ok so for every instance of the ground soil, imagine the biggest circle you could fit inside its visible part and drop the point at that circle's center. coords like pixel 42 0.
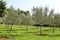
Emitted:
pixel 4 37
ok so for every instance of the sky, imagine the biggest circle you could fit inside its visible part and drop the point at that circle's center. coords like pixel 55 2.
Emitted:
pixel 29 4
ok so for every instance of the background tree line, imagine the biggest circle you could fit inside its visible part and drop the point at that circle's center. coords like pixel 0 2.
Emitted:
pixel 39 15
pixel 44 16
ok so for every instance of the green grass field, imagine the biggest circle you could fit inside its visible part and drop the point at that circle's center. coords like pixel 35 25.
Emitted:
pixel 20 33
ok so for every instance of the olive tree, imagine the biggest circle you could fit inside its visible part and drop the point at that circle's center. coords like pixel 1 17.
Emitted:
pixel 57 20
pixel 12 18
pixel 51 18
pixel 37 15
pixel 26 19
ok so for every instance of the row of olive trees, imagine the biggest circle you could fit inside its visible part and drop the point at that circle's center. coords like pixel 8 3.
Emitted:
pixel 39 16
pixel 17 17
pixel 44 16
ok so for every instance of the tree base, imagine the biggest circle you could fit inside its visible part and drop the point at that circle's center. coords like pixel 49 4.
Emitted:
pixel 42 34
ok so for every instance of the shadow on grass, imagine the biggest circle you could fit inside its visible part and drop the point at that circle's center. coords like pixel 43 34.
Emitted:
pixel 30 32
pixel 55 35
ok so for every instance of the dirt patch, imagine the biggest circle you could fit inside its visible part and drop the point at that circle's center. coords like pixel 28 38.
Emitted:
pixel 42 34
pixel 4 37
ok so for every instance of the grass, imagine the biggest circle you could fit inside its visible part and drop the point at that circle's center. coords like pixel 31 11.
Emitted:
pixel 20 33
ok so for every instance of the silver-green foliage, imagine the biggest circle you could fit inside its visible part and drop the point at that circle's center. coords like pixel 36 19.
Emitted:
pixel 12 17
